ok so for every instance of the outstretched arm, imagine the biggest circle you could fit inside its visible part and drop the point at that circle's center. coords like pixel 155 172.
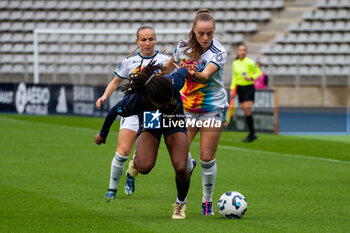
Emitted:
pixel 112 114
pixel 112 86
pixel 203 76
pixel 169 66
pixel 128 106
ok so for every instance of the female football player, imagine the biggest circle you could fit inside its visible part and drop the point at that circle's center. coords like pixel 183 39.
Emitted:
pixel 204 97
pixel 244 72
pixel 146 40
pixel 149 91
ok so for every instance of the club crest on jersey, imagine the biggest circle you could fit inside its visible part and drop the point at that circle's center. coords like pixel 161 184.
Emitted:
pixel 219 57
pixel 202 65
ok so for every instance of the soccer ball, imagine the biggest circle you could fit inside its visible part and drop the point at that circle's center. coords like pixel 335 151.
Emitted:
pixel 232 205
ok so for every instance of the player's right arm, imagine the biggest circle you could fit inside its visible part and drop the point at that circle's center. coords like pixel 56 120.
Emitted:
pixel 128 106
pixel 112 86
pixel 121 73
pixel 175 59
pixel 169 66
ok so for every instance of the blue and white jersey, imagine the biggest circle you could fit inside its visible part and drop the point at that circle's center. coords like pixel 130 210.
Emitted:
pixel 210 95
pixel 136 61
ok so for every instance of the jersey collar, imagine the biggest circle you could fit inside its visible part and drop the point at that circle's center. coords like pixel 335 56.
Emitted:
pixel 155 54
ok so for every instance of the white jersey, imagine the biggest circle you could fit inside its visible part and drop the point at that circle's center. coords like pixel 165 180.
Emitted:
pixel 210 95
pixel 130 65
pixel 136 61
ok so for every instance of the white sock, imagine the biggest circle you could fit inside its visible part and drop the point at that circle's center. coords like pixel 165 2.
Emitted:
pixel 117 169
pixel 208 179
pixel 181 202
pixel 189 162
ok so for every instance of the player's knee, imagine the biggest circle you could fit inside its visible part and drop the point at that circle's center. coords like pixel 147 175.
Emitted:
pixel 124 151
pixel 182 174
pixel 145 168
pixel 180 168
pixel 207 156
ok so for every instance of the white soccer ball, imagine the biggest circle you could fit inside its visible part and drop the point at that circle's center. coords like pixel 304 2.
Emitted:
pixel 232 205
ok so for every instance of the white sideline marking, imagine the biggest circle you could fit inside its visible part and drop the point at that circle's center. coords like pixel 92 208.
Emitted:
pixel 281 154
pixel 48 124
pixel 196 143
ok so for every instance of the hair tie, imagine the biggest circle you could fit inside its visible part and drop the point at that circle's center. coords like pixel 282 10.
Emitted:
pixel 149 79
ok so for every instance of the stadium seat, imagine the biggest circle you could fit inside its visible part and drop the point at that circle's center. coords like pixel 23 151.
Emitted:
pixel 333 49
pixel 241 15
pixel 6 48
pixel 3 4
pixel 344 49
pixel 278 4
pixel 18 37
pixel 87 5
pixel 111 5
pixel 51 5
pixel 17 26
pixel 291 38
pixel 337 37
pixel 237 38
pixel 321 49
pixel 344 4
pixel 251 27
pixel 63 5
pixel 334 71
pixel 266 4
pixel 332 4
pixel 264 16
pixel 242 5
pixel 6 58
pixel 316 26
pixel 254 16
pixel 28 48
pixel 40 15
pixel 318 15
pixel 300 49
pixel 195 5
pixel 321 4
pixel 330 15
pixel 6 37
pixel 280 38
pixel 339 26
pixel 29 15
pixel 254 5
pixel 308 15
pixel 288 48
pixel 325 38
pixel 303 38
pixel 5 15
pixel 14 4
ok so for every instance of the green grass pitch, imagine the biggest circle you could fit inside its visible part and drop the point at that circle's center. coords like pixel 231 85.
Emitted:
pixel 53 179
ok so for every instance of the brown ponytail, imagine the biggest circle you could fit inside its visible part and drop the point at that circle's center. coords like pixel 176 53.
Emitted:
pixel 192 44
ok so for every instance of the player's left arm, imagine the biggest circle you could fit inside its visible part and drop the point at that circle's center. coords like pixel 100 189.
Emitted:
pixel 217 63
pixel 177 78
pixel 256 71
pixel 203 76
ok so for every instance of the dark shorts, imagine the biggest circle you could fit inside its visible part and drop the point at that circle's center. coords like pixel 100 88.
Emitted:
pixel 246 93
pixel 157 133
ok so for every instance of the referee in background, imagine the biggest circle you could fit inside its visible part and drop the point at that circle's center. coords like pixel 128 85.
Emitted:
pixel 244 72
